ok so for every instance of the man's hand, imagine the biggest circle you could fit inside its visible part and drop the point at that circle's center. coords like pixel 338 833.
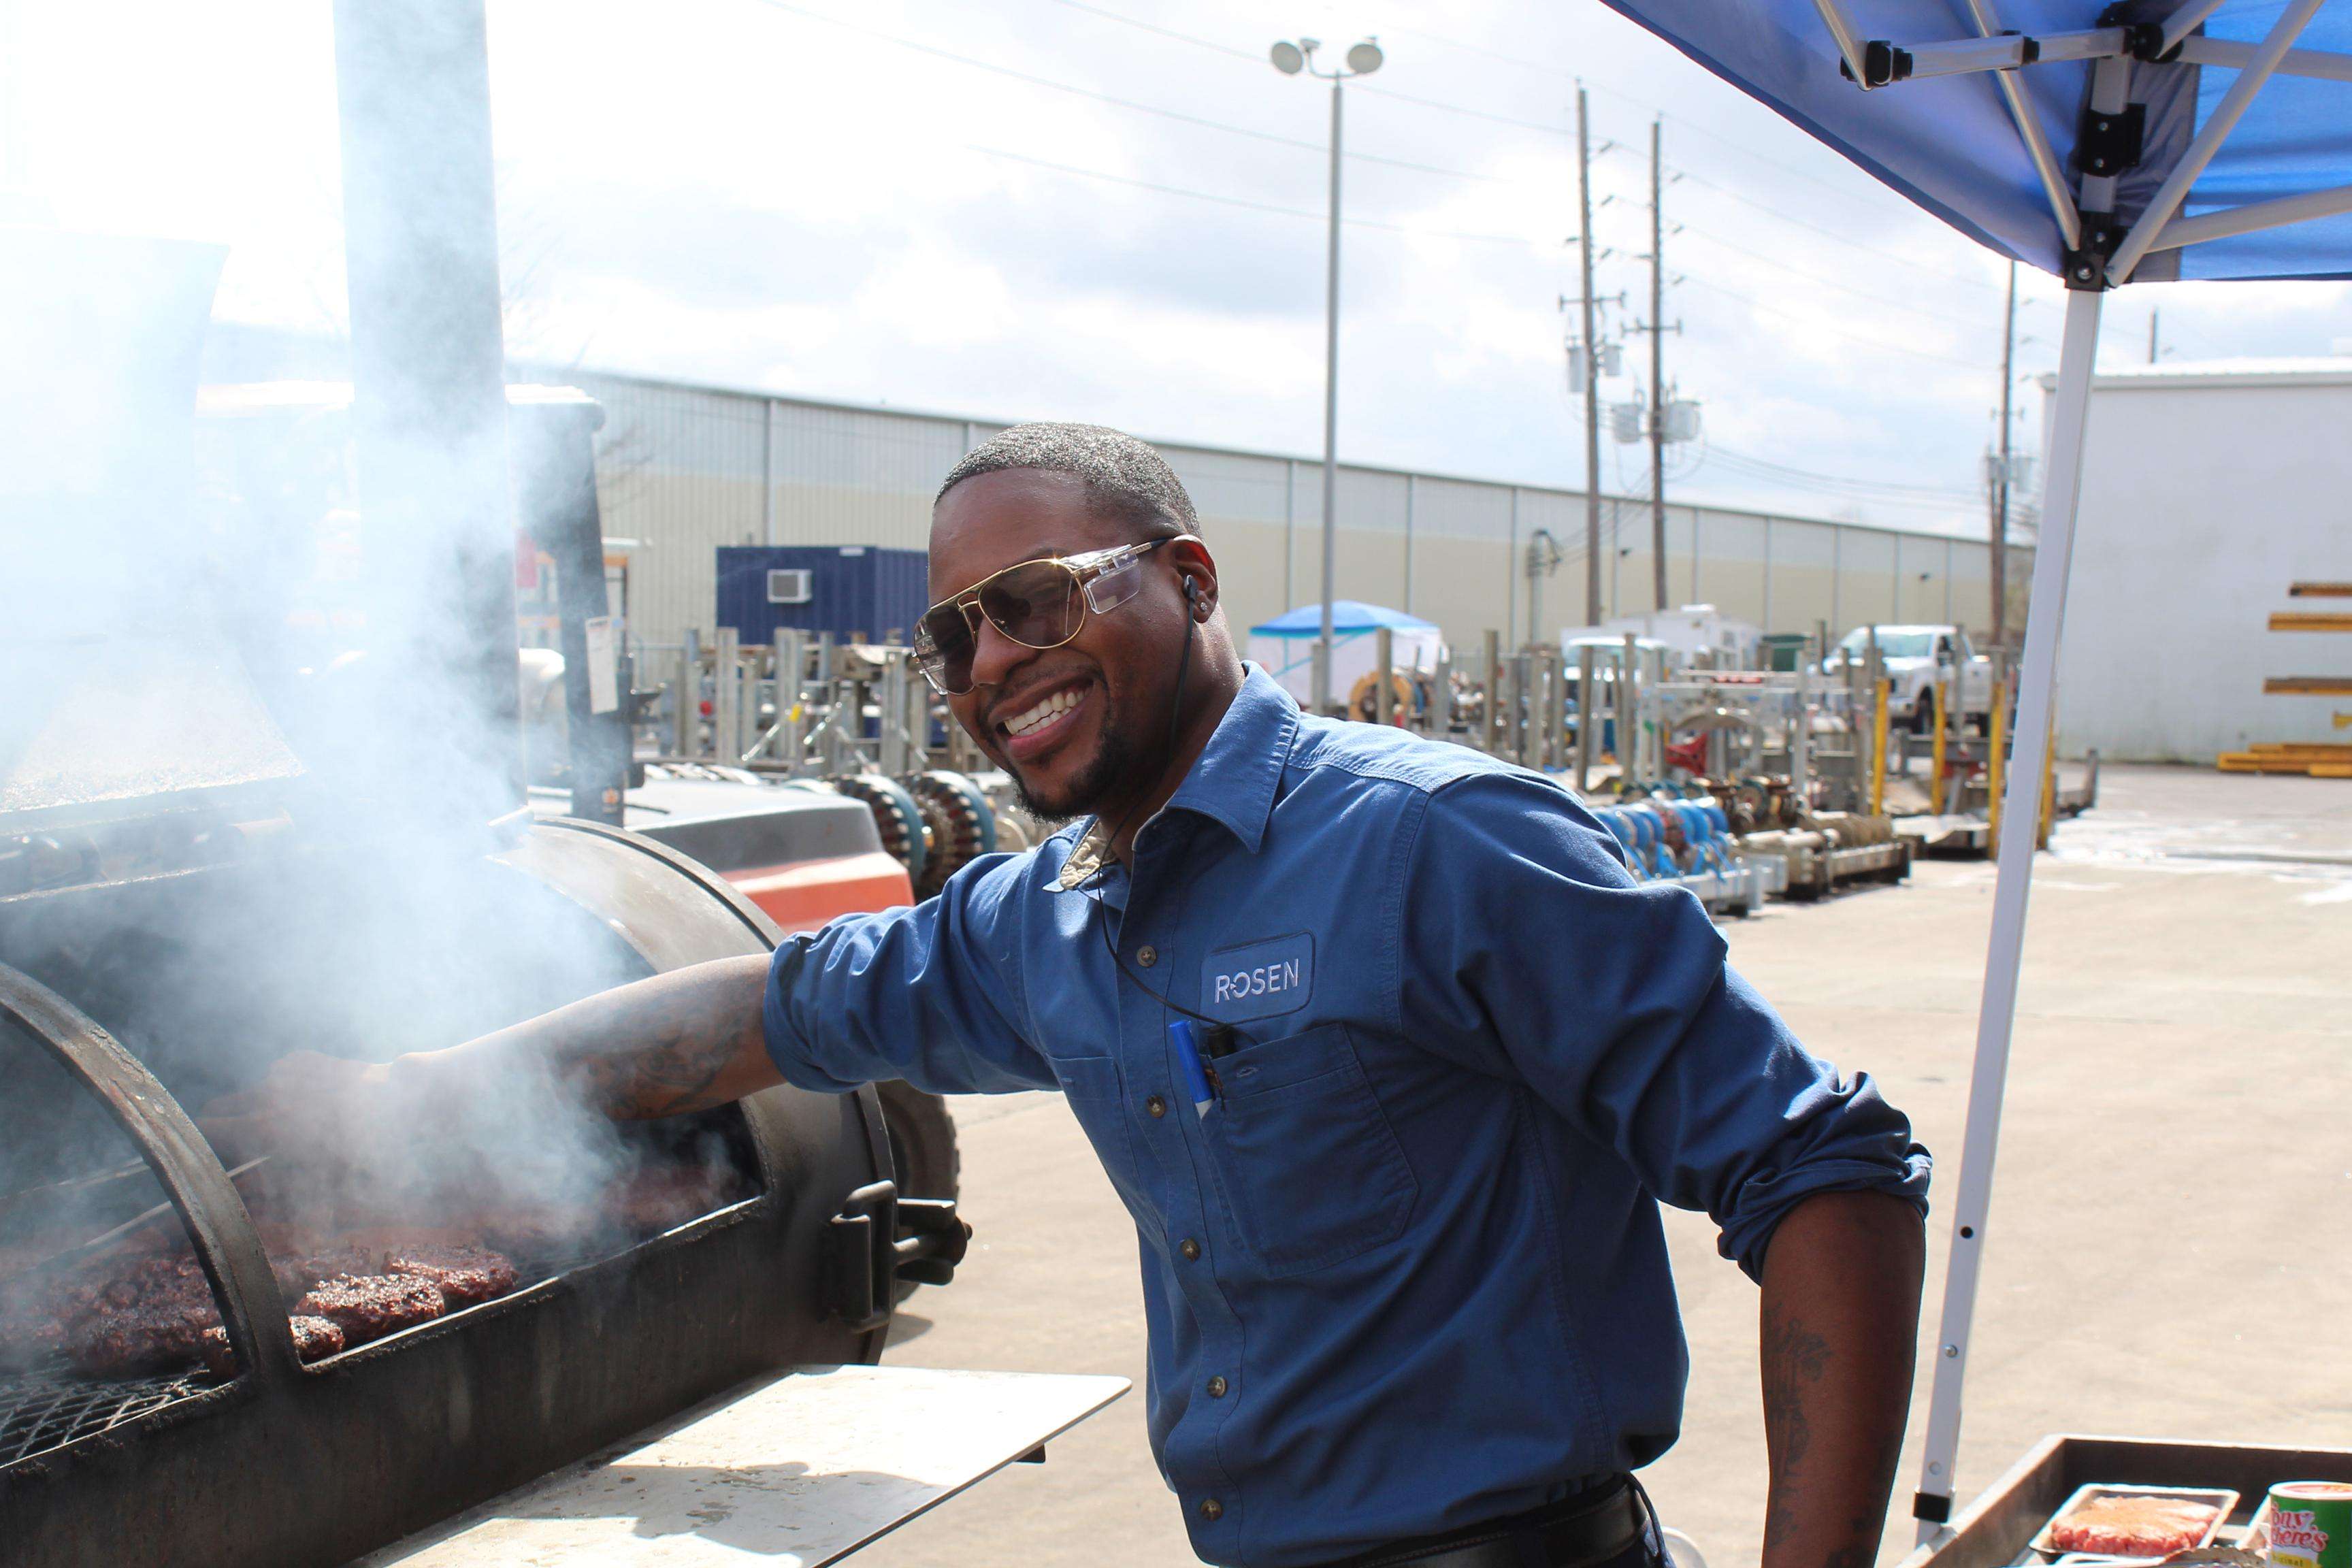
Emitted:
pixel 1839 1320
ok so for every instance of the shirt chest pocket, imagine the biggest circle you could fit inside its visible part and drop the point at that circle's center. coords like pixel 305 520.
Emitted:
pixel 1311 1169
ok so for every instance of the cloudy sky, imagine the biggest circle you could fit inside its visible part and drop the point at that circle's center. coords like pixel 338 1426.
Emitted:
pixel 1112 210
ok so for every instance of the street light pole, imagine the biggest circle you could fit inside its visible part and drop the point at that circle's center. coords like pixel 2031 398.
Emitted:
pixel 1363 59
pixel 1330 418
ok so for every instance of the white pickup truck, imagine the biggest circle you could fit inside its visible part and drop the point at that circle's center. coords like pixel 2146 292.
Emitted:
pixel 1915 658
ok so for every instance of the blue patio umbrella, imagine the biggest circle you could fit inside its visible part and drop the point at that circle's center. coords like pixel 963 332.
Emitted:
pixel 1347 615
pixel 1285 645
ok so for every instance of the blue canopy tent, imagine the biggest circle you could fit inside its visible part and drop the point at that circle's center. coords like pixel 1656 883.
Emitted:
pixel 2106 143
pixel 1285 645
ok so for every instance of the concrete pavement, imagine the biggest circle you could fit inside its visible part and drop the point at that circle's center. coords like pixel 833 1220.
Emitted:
pixel 2171 1239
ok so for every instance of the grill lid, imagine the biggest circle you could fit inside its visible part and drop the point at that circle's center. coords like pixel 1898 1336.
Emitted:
pixel 110 708
pixel 101 727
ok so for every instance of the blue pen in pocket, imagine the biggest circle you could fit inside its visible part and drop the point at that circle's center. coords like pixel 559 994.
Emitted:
pixel 1196 1071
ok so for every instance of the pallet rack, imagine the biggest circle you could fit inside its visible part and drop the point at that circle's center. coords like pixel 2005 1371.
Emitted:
pixel 2314 759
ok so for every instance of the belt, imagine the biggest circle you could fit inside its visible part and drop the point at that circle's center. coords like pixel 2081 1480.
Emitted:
pixel 1580 1533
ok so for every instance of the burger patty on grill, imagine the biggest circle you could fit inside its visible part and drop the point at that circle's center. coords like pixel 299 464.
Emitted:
pixel 368 1307
pixel 164 1330
pixel 315 1339
pixel 465 1274
pixel 298 1270
pixel 153 1314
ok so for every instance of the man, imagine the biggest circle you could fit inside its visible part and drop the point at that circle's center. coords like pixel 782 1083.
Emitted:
pixel 1406 1287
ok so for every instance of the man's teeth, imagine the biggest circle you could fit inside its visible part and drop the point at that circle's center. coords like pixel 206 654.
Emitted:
pixel 1059 703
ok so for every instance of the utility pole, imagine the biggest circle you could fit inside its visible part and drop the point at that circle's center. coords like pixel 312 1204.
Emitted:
pixel 1591 375
pixel 1657 371
pixel 2000 474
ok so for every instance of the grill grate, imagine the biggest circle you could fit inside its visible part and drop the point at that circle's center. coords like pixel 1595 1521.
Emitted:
pixel 47 1407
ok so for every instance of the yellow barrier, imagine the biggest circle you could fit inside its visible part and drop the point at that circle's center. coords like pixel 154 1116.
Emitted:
pixel 2049 790
pixel 1935 767
pixel 1997 764
pixel 1878 756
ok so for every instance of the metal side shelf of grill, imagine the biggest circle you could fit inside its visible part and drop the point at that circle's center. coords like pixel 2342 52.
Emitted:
pixel 1995 1530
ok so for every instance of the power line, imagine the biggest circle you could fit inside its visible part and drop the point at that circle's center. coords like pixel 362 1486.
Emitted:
pixel 1831 233
pixel 1873 199
pixel 1763 467
pixel 1245 202
pixel 1831 489
pixel 1545 128
pixel 1877 344
pixel 1163 32
pixel 1128 103
pixel 1882 301
pixel 1564 74
pixel 1464 110
pixel 1035 81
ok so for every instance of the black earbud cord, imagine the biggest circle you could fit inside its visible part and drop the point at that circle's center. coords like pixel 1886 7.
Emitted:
pixel 1175 727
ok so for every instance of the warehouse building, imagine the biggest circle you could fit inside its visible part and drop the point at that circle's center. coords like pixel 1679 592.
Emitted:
pixel 2210 492
pixel 683 470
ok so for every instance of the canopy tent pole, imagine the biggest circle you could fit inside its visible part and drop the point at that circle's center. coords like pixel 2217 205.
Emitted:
pixel 2019 820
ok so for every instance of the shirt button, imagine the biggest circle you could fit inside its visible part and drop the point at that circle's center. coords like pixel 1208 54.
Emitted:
pixel 1216 1388
pixel 1147 955
pixel 1156 1106
pixel 1190 1249
pixel 1212 1510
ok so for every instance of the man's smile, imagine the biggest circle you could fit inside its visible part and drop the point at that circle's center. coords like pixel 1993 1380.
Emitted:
pixel 1039 724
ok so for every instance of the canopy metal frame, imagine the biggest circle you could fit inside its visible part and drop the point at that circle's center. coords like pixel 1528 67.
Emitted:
pixel 2097 260
pixel 1876 63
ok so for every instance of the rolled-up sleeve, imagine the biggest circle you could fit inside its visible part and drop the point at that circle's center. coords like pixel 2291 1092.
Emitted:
pixel 923 993
pixel 1529 951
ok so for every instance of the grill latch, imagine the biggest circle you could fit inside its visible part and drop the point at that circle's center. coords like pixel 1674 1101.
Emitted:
pixel 880 1238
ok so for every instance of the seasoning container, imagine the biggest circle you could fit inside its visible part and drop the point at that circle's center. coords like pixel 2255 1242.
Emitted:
pixel 2311 1524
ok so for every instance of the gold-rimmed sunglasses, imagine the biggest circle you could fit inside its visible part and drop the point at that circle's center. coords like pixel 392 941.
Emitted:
pixel 1037 603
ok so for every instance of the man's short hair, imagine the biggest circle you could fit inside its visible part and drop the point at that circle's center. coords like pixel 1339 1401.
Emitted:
pixel 1125 479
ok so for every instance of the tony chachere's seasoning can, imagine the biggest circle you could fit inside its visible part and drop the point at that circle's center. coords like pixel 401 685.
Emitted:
pixel 2311 1524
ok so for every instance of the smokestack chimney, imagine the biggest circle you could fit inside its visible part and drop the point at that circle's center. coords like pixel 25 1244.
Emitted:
pixel 428 410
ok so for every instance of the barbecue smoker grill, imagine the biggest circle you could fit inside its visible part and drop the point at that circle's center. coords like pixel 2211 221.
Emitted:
pixel 183 902
pixel 201 943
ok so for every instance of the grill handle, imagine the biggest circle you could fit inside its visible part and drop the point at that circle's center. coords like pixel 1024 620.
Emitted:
pixel 870 1255
pixel 218 1226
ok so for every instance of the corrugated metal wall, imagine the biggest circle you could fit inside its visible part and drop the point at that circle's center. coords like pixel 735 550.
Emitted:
pixel 684 470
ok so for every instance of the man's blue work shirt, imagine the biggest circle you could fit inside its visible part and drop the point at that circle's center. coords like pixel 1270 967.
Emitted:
pixel 1407 1274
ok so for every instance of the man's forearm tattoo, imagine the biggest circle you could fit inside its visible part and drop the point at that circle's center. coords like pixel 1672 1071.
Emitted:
pixel 1794 1359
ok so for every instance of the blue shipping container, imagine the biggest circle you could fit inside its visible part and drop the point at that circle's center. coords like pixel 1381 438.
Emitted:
pixel 859 592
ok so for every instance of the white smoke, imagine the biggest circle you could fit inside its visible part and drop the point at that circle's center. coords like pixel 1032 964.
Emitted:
pixel 228 684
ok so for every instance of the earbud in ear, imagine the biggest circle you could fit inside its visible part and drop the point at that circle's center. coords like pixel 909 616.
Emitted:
pixel 1192 596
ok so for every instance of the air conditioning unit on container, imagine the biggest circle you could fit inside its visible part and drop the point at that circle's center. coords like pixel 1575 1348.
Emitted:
pixel 791 585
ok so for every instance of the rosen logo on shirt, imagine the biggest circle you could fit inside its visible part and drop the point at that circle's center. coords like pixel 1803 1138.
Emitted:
pixel 1259 980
